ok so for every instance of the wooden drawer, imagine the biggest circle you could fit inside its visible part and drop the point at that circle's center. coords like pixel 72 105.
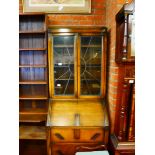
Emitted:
pixel 77 135
pixel 71 148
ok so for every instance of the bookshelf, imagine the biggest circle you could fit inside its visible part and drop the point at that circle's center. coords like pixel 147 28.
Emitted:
pixel 33 67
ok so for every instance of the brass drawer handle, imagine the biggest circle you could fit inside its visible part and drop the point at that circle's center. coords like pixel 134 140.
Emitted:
pixel 95 136
pixel 59 136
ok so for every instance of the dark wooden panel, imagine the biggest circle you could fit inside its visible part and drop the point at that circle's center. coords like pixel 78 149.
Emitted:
pixel 32 147
pixel 124 32
pixel 131 127
pixel 33 91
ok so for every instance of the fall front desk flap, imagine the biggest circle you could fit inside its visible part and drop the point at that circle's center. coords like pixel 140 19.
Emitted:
pixel 91 113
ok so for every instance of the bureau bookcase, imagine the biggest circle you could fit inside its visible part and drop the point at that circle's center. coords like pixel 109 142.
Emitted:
pixel 77 114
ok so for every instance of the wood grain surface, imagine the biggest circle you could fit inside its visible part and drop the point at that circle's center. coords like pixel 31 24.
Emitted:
pixel 92 113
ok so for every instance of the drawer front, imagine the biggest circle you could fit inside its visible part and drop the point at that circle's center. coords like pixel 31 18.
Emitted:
pixel 77 135
pixel 72 148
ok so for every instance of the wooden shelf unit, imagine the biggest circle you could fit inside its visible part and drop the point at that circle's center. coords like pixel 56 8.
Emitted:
pixel 33 67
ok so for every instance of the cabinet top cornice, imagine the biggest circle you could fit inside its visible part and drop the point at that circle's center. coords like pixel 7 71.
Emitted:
pixel 75 29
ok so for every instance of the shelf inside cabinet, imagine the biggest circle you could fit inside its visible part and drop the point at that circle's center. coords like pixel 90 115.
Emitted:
pixel 94 46
pixel 32 132
pixel 63 46
pixel 63 79
pixel 91 65
pixel 63 65
pixel 73 79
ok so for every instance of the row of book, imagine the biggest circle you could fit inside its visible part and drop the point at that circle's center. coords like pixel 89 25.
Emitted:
pixel 28 74
pixel 32 58
pixel 31 41
pixel 29 25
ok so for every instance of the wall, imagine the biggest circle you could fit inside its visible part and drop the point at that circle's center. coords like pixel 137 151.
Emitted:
pixel 103 14
pixel 96 18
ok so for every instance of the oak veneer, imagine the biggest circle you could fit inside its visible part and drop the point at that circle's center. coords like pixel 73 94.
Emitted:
pixel 75 123
pixel 92 112
pixel 79 117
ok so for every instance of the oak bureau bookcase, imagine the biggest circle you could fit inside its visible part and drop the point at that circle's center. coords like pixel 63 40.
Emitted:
pixel 77 114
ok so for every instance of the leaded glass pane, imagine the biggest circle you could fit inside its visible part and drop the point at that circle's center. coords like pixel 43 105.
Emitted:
pixel 63 47
pixel 91 54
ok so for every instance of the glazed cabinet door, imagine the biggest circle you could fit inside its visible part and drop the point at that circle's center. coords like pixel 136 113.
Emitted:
pixel 63 65
pixel 77 65
pixel 91 57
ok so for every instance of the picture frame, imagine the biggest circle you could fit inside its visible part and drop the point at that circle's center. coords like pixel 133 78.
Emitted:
pixel 57 6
